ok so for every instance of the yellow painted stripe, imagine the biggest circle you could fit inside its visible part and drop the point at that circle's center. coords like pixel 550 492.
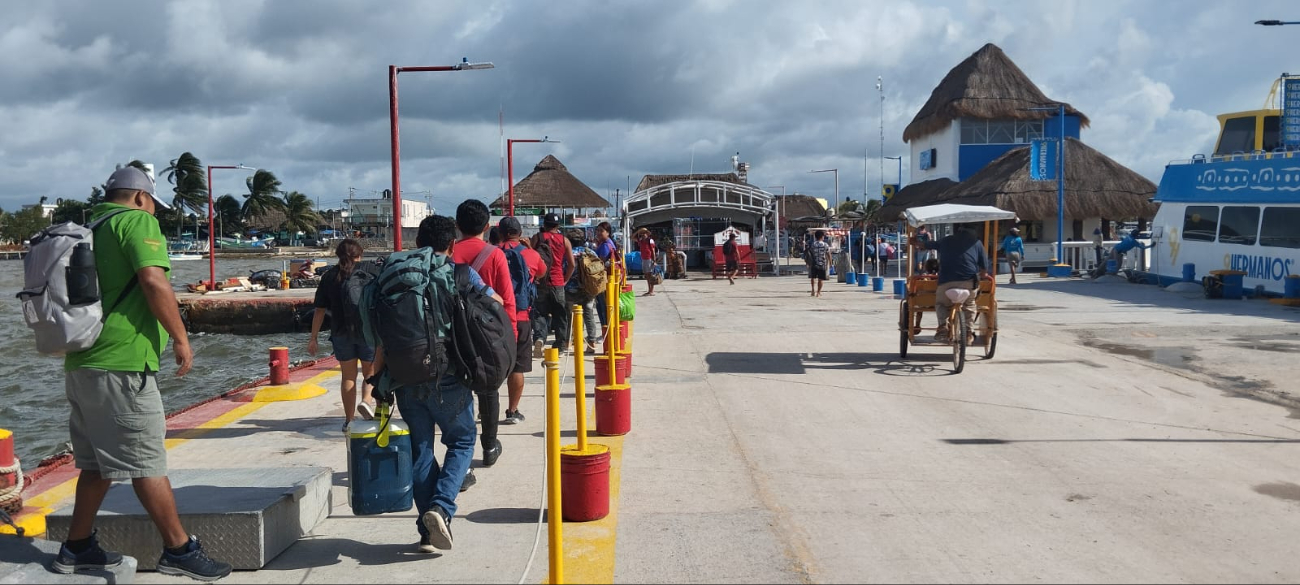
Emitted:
pixel 309 388
pixel 589 546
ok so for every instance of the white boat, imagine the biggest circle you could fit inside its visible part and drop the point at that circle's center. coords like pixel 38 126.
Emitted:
pixel 1238 209
pixel 187 250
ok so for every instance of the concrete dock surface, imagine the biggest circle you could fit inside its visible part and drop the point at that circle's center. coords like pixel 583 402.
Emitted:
pixel 1122 433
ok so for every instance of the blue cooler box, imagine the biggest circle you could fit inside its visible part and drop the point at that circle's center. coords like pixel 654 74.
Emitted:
pixel 379 467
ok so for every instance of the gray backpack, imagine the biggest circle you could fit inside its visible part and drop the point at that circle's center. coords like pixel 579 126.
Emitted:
pixel 60 293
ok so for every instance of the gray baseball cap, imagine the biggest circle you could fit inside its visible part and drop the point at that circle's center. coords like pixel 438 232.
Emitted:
pixel 135 179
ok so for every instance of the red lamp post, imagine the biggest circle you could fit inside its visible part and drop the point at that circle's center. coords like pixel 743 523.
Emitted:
pixel 212 239
pixel 510 168
pixel 393 70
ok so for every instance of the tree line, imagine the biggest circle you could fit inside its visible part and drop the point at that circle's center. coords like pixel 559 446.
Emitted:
pixel 265 205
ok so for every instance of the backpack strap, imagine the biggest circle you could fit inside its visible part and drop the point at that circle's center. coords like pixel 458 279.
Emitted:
pixel 482 258
pixel 135 278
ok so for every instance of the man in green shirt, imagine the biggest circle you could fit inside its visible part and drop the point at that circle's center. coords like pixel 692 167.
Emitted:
pixel 117 423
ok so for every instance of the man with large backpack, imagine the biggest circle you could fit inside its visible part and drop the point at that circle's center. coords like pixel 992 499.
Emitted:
pixel 117 423
pixel 409 318
pixel 818 257
pixel 552 305
pixel 472 218
pixel 525 267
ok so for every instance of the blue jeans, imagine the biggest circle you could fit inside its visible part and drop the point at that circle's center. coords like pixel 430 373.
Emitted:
pixel 446 404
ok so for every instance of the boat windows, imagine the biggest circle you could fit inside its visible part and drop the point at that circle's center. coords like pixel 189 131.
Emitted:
pixel 1239 225
pixel 1272 132
pixel 1238 136
pixel 1281 227
pixel 1200 223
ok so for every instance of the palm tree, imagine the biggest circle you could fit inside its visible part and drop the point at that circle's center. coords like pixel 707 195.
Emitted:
pixel 263 189
pixel 298 214
pixel 96 196
pixel 228 213
pixel 191 189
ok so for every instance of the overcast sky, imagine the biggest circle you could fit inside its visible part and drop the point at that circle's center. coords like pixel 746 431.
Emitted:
pixel 630 87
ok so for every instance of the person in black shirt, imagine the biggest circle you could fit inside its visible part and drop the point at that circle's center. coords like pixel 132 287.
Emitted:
pixel 962 263
pixel 345 334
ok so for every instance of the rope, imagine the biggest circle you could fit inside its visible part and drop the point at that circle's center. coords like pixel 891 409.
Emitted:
pixel 541 506
pixel 13 492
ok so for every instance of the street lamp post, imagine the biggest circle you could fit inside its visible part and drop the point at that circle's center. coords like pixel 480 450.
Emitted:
pixel 1275 22
pixel 510 168
pixel 837 185
pixel 212 240
pixel 393 70
pixel 776 259
pixel 1059 108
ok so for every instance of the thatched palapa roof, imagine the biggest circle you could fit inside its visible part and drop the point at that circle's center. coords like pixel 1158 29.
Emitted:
pixel 801 208
pixel 1095 186
pixel 914 195
pixel 987 85
pixel 551 185
pixel 650 181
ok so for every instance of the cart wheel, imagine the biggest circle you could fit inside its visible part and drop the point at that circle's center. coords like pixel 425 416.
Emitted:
pixel 991 333
pixel 904 326
pixel 959 347
pixel 991 347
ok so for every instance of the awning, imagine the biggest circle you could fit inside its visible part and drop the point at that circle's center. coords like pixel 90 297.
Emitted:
pixel 955 213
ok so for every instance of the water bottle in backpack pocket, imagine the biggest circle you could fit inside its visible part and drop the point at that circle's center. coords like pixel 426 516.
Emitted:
pixel 60 296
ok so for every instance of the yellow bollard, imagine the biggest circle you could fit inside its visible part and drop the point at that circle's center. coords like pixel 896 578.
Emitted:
pixel 580 377
pixel 555 516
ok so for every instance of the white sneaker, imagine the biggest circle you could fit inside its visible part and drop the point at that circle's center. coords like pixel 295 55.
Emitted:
pixel 366 411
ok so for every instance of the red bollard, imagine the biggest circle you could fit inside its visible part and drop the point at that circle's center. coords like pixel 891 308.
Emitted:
pixel 613 409
pixel 279 366
pixel 602 370
pixel 584 483
pixel 13 502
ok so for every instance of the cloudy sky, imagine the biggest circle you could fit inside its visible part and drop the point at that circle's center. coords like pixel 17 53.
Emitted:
pixel 630 87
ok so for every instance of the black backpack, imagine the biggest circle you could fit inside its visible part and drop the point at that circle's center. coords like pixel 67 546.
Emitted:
pixel 350 296
pixel 482 340
pixel 543 249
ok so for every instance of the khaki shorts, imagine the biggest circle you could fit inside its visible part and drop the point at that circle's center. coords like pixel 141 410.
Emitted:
pixel 117 423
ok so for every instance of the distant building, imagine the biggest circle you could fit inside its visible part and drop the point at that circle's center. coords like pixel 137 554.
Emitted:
pixel 376 216
pixel 47 209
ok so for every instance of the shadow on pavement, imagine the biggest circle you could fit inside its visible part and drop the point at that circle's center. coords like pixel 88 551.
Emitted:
pixel 1010 441
pixel 312 553
pixel 503 516
pixel 799 363
pixel 1152 296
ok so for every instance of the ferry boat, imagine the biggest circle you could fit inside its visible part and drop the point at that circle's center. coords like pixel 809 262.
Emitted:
pixel 1237 209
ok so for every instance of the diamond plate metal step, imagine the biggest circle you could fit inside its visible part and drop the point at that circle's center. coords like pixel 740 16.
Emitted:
pixel 242 516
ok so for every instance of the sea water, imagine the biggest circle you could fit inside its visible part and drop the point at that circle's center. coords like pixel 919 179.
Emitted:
pixel 32 400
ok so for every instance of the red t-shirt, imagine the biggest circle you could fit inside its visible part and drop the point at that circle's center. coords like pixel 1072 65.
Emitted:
pixel 558 254
pixel 495 271
pixel 535 268
pixel 648 251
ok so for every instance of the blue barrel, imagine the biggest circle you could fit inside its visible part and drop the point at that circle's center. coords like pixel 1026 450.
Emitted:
pixel 864 281
pixel 1291 287
pixel 1233 282
pixel 1189 272
pixel 379 478
pixel 850 277
pixel 877 284
pixel 900 287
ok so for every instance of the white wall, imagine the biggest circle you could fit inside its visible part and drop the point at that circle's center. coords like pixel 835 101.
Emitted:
pixel 946 143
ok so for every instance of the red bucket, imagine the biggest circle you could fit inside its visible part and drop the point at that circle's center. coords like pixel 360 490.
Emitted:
pixel 584 483
pixel 602 370
pixel 622 337
pixel 9 480
pixel 613 409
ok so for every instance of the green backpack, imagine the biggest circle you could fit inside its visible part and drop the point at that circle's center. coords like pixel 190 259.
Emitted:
pixel 407 310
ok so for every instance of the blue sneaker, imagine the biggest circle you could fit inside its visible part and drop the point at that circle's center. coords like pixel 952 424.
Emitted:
pixel 94 558
pixel 193 563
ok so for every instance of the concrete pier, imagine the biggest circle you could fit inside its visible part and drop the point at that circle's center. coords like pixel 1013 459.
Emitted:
pixel 1122 433
pixel 247 313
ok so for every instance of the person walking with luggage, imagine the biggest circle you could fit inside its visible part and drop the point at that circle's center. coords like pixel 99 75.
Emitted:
pixel 731 252
pixel 607 251
pixel 429 390
pixel 117 423
pixel 338 295
pixel 649 251
pixel 552 308
pixel 489 262
pixel 574 293
pixel 818 256
pixel 962 264
pixel 1015 250
pixel 523 279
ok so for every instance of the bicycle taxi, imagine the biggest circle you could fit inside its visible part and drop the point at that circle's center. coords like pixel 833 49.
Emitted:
pixel 921 288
